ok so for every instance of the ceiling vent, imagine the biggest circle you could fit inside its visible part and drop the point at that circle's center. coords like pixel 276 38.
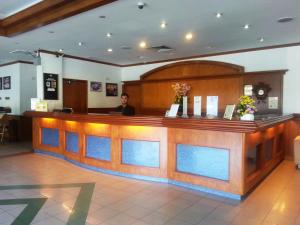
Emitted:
pixel 161 48
pixel 125 47
pixel 285 19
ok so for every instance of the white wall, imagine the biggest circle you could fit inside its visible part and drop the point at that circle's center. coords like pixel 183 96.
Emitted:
pixel 83 70
pixel 50 64
pixel 291 90
pixel 27 86
pixel 14 92
pixel 272 59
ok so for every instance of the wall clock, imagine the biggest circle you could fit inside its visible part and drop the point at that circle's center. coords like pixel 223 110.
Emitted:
pixel 261 91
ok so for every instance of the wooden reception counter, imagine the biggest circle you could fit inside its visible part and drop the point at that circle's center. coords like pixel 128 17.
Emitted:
pixel 214 155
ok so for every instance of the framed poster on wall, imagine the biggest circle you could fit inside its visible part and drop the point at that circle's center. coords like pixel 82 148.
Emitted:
pixel 6 83
pixel 95 86
pixel 50 86
pixel 111 89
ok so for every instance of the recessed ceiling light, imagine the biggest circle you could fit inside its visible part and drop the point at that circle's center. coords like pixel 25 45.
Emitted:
pixel 143 44
pixel 189 36
pixel 80 43
pixel 163 25
pixel 219 15
pixel 261 39
pixel 108 35
pixel 60 50
pixel 102 17
pixel 285 19
pixel 246 26
pixel 109 50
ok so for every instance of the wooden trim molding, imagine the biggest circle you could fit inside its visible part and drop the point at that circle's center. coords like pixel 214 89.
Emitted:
pixel 15 62
pixel 44 13
pixel 190 58
pixel 77 57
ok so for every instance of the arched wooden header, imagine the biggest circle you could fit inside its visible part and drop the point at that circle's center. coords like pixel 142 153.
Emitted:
pixel 192 69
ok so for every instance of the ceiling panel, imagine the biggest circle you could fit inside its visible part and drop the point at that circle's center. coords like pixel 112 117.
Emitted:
pixel 130 25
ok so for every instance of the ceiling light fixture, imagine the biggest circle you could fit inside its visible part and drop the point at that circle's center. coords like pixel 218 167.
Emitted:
pixel 108 35
pixel 163 25
pixel 51 32
pixel 189 36
pixel 143 44
pixel 102 17
pixel 60 50
pixel 80 43
pixel 109 50
pixel 219 15
pixel 246 26
pixel 261 39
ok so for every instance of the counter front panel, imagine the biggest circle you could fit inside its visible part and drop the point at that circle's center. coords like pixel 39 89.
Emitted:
pixel 223 162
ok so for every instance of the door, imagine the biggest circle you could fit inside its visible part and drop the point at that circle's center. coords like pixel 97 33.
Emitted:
pixel 75 95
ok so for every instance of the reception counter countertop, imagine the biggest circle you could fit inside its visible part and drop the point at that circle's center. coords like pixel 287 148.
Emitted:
pixel 202 123
pixel 224 157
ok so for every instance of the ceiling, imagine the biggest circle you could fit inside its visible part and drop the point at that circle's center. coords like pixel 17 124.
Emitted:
pixel 130 25
pixel 11 7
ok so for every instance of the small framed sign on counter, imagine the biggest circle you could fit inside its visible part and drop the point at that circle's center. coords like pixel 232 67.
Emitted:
pixel 229 112
pixel 50 86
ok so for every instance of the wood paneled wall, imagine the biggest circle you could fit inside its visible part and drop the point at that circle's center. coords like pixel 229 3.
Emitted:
pixel 275 80
pixel 153 93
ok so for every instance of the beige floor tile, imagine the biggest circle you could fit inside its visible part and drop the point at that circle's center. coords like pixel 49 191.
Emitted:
pixel 118 200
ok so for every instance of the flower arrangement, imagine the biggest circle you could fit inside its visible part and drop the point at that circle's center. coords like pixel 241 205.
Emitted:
pixel 246 106
pixel 181 89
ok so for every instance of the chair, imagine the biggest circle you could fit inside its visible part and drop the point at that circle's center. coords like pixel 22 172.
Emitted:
pixel 3 126
pixel 297 151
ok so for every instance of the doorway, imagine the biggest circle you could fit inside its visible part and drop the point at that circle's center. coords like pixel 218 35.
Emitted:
pixel 75 95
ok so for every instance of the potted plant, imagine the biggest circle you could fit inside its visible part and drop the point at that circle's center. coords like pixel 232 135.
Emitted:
pixel 181 90
pixel 246 108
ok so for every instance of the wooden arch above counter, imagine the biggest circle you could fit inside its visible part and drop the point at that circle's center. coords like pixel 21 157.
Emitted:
pixel 153 94
pixel 192 69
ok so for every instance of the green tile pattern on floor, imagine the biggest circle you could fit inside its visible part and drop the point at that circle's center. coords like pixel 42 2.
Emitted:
pixel 30 211
pixel 79 212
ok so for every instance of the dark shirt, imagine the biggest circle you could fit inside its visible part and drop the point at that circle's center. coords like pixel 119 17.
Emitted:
pixel 126 111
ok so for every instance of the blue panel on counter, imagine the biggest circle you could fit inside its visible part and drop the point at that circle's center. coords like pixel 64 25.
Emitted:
pixel 50 137
pixel 140 153
pixel 98 147
pixel 72 142
pixel 203 161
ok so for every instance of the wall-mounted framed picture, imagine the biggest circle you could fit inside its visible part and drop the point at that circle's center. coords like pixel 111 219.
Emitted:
pixel 50 86
pixel 0 83
pixel 6 83
pixel 111 89
pixel 96 86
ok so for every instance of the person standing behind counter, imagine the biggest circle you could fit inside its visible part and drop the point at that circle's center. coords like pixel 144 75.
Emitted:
pixel 124 108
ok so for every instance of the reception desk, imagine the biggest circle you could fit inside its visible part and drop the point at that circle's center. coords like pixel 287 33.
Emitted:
pixel 218 156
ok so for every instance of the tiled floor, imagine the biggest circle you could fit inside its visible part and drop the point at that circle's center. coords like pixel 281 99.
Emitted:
pixel 41 190
pixel 8 149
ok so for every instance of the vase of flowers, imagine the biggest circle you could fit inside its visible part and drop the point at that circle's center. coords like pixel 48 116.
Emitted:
pixel 181 90
pixel 246 108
